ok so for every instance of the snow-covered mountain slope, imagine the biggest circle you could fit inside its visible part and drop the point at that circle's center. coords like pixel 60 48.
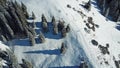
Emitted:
pixel 78 40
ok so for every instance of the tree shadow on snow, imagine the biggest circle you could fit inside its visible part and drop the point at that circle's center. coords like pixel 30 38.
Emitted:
pixel 38 24
pixel 21 42
pixel 49 34
pixel 118 27
pixel 37 40
pixel 66 67
pixel 49 52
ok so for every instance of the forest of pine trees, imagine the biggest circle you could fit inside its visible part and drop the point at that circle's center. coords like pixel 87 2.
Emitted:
pixel 13 20
pixel 110 8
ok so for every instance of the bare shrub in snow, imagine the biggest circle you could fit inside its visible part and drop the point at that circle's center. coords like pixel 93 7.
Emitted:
pixel 104 50
pixel 107 45
pixel 90 20
pixel 97 26
pixel 69 6
pixel 86 30
pixel 87 24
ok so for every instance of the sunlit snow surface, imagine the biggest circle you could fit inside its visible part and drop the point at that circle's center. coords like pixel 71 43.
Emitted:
pixel 78 41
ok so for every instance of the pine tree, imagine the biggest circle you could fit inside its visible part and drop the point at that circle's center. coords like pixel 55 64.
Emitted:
pixel 88 5
pixel 2 37
pixel 118 19
pixel 107 12
pixel 26 64
pixel 43 18
pixel 63 32
pixel 55 30
pixel 33 24
pixel 33 32
pixel 60 25
pixel 33 15
pixel 24 9
pixel 32 39
pixel 53 19
pixel 68 28
pixel 42 38
pixel 116 15
pixel 103 6
pixel 63 48
pixel 45 26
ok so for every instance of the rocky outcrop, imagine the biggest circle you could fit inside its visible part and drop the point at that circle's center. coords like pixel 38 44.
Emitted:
pixel 110 8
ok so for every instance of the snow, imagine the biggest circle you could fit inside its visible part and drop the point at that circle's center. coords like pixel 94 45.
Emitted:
pixel 78 41
pixel 3 47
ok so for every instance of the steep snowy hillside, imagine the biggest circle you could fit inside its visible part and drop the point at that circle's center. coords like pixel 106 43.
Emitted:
pixel 98 45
